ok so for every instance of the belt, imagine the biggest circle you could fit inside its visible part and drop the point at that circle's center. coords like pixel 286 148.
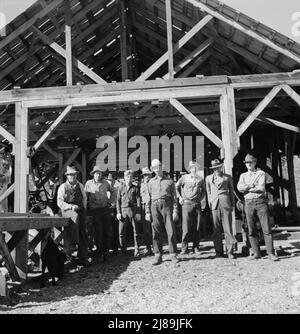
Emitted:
pixel 162 199
pixel 188 201
pixel 255 199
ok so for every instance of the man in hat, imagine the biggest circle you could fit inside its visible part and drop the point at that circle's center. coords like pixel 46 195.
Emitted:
pixel 162 206
pixel 113 213
pixel 98 205
pixel 71 199
pixel 220 194
pixel 128 211
pixel 191 191
pixel 253 185
pixel 147 224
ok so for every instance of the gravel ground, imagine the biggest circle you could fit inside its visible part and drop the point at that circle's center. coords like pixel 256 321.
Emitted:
pixel 198 284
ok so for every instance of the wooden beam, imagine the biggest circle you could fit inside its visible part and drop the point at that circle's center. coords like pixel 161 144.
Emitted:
pixel 196 64
pixel 20 30
pixel 258 110
pixel 191 56
pixel 87 71
pixel 123 40
pixel 228 128
pixel 177 46
pixel 196 122
pixel 170 38
pixel 292 93
pixel 8 259
pixel 45 146
pixel 21 179
pixel 70 160
pixel 8 136
pixel 68 37
pixel 52 127
pixel 7 192
pixel 245 30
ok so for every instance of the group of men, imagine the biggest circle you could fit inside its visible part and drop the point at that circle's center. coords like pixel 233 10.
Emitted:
pixel 153 205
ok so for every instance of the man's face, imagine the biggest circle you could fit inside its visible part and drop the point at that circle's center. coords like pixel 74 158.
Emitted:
pixel 147 177
pixel 219 170
pixel 158 171
pixel 193 170
pixel 250 164
pixel 72 177
pixel 97 176
pixel 128 178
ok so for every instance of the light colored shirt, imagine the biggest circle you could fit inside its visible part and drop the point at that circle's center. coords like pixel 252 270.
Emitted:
pixel 62 196
pixel 191 187
pixel 161 188
pixel 144 192
pixel 258 179
pixel 97 193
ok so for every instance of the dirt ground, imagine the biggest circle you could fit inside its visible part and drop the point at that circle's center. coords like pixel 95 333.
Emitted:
pixel 198 284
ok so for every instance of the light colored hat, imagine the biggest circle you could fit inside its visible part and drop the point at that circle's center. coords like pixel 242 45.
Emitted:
pixel 146 171
pixel 96 169
pixel 193 164
pixel 128 172
pixel 250 158
pixel 155 163
pixel 216 163
pixel 71 170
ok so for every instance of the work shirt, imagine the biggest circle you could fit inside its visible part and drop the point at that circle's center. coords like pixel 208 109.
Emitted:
pixel 128 197
pixel 97 194
pixel 161 188
pixel 258 178
pixel 67 196
pixel 191 188
pixel 144 192
pixel 113 195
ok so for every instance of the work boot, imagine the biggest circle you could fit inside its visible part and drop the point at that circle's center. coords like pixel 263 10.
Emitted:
pixel 137 252
pixel 84 262
pixel 175 258
pixel 184 251
pixel 231 256
pixel 273 257
pixel 196 250
pixel 148 252
pixel 255 257
pixel 157 260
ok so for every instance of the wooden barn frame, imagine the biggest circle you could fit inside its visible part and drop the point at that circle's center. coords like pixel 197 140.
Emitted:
pixel 76 67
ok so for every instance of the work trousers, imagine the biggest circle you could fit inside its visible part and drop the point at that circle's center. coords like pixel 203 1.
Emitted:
pixel 76 233
pixel 128 217
pixel 191 224
pixel 147 229
pixel 115 229
pixel 258 208
pixel 102 228
pixel 162 211
pixel 222 217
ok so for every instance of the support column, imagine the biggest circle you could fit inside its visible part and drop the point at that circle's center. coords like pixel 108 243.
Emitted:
pixel 228 127
pixel 68 33
pixel 60 167
pixel 21 180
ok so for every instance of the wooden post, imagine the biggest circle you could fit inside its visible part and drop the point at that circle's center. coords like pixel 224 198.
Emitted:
pixel 21 179
pixel 123 40
pixel 290 139
pixel 170 38
pixel 68 34
pixel 229 136
pixel 228 128
pixel 83 165
pixel 60 167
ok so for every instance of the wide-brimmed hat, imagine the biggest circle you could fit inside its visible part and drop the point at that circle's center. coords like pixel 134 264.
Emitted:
pixel 96 169
pixel 146 171
pixel 193 164
pixel 249 158
pixel 216 163
pixel 155 163
pixel 71 170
